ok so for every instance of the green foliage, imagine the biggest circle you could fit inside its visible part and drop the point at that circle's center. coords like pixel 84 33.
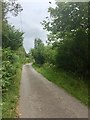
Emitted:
pixel 67 17
pixel 66 57
pixel 66 80
pixel 11 76
pixel 50 54
pixel 10 6
pixel 12 41
pixel 38 52
pixel 13 56
pixel 11 37
pixel 68 26
pixel 43 54
pixel 9 66
pixel 10 99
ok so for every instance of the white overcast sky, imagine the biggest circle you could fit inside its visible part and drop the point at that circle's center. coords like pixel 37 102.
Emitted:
pixel 34 12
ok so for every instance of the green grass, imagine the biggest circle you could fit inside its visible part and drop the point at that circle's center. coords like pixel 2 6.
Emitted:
pixel 10 99
pixel 69 82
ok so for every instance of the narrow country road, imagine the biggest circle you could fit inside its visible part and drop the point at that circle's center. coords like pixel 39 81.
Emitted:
pixel 39 98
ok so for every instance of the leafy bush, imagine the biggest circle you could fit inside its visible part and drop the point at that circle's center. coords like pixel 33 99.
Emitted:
pixel 9 66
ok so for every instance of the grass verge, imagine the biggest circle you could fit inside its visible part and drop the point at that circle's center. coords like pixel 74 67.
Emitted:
pixel 10 99
pixel 69 82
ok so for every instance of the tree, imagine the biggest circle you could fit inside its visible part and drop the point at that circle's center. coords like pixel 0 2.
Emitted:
pixel 67 17
pixel 11 6
pixel 11 37
pixel 38 51
pixel 68 28
pixel 12 41
pixel 50 54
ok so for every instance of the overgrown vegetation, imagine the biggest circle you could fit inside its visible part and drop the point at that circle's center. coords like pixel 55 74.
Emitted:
pixel 69 82
pixel 67 46
pixel 13 55
pixel 10 98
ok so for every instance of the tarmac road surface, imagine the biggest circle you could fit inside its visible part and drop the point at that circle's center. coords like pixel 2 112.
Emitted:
pixel 40 98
